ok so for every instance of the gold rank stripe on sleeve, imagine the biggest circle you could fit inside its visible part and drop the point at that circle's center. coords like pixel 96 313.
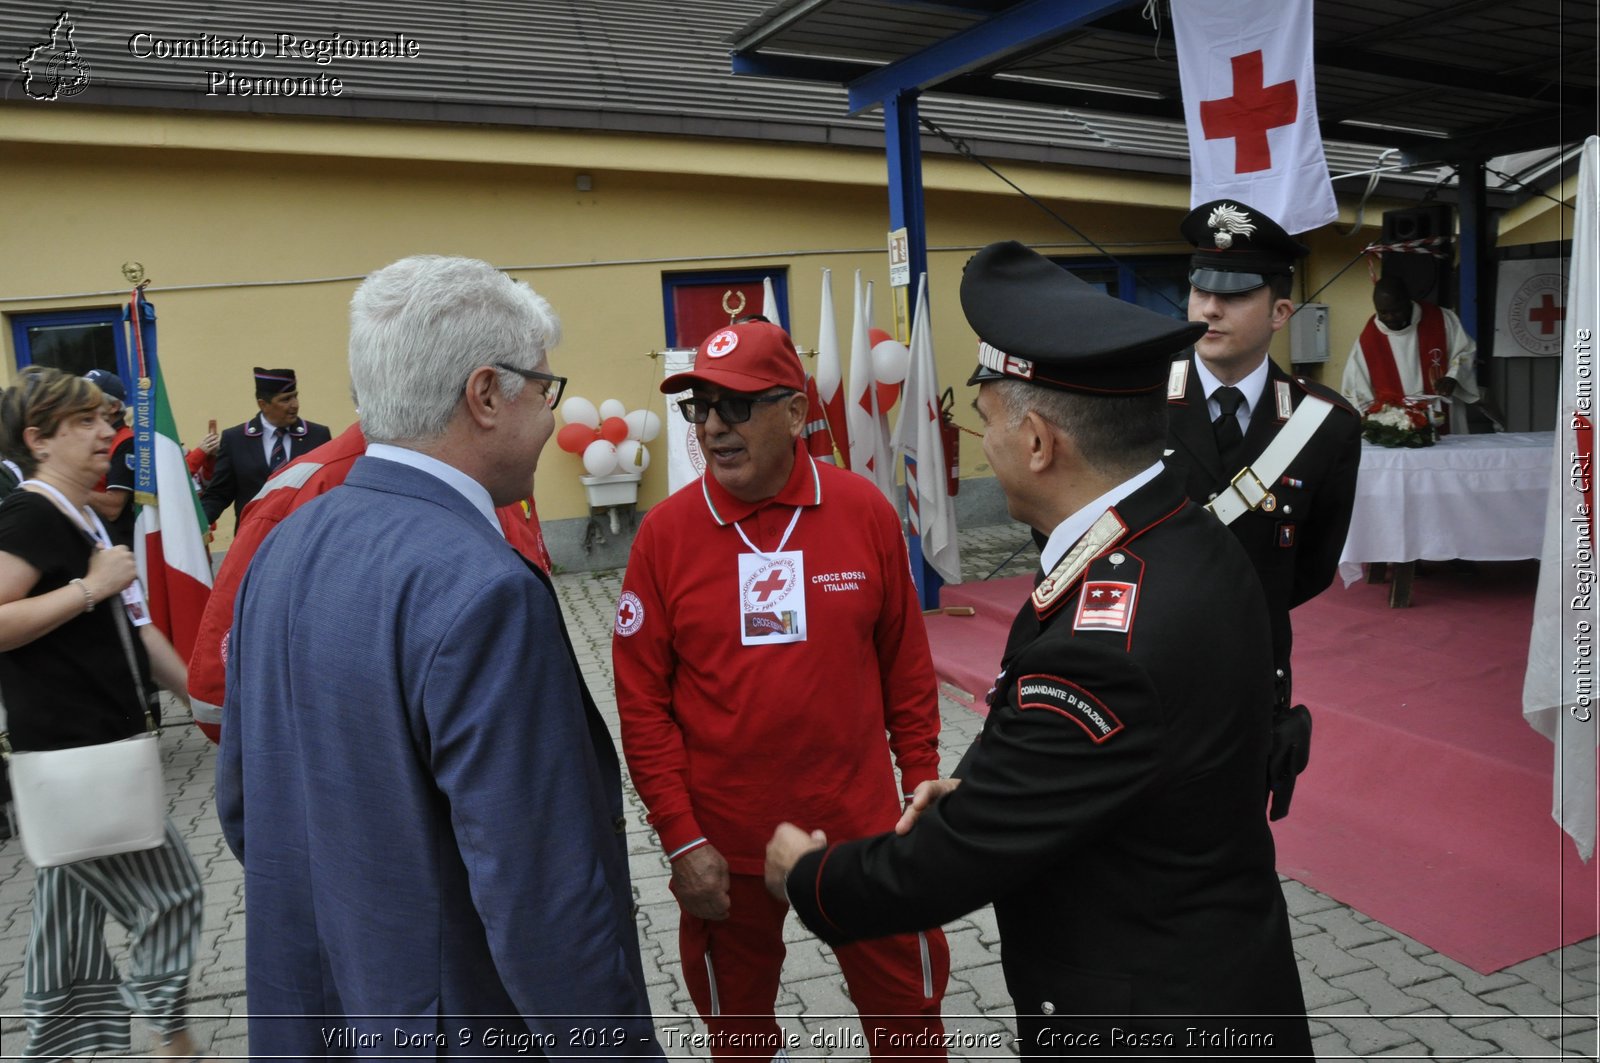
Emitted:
pixel 1104 533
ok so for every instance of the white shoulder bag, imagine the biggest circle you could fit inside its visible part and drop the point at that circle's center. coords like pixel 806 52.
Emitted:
pixel 89 801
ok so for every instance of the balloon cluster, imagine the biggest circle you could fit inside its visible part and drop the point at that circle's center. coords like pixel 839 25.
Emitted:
pixel 891 360
pixel 608 438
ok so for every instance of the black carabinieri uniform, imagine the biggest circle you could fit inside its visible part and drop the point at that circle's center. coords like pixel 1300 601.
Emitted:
pixel 1111 809
pixel 242 468
pixel 1295 547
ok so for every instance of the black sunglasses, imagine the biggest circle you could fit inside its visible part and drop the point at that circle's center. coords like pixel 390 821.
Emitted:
pixel 732 409
pixel 554 385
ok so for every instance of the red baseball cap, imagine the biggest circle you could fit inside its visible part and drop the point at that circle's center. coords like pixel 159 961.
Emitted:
pixel 748 357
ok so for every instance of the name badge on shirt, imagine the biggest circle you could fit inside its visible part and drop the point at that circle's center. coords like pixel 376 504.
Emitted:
pixel 772 598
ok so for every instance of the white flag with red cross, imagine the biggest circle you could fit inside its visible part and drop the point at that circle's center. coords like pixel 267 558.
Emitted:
pixel 1250 101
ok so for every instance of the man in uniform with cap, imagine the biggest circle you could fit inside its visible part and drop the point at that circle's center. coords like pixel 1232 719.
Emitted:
pixel 770 659
pixel 1111 807
pixel 253 451
pixel 1281 473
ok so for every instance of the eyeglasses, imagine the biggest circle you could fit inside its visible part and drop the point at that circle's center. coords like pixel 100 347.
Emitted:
pixel 733 409
pixel 553 385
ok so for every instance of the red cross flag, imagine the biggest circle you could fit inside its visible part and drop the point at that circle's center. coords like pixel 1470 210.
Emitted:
pixel 1250 101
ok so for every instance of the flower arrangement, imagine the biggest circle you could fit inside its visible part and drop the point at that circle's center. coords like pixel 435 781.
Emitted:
pixel 1398 426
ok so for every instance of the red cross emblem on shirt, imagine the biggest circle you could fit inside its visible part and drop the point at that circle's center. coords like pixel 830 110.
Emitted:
pixel 770 584
pixel 1546 314
pixel 630 614
pixel 1249 113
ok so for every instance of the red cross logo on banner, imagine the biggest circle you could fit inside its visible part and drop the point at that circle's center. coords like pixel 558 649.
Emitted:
pixel 770 584
pixel 1546 314
pixel 1249 113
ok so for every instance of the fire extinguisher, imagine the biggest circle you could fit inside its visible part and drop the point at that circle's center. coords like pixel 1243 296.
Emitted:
pixel 951 437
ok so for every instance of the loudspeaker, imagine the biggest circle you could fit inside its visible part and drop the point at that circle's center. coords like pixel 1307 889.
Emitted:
pixel 1416 223
pixel 1428 277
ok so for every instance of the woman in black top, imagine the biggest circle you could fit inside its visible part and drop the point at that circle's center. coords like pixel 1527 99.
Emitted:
pixel 74 672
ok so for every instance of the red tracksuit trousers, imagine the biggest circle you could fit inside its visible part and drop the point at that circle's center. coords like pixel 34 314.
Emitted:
pixel 732 968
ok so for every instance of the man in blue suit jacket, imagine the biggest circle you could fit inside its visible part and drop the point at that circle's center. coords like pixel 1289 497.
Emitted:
pixel 426 802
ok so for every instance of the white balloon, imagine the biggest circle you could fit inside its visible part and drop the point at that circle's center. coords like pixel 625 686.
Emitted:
pixel 632 456
pixel 579 410
pixel 612 408
pixel 891 360
pixel 643 425
pixel 600 458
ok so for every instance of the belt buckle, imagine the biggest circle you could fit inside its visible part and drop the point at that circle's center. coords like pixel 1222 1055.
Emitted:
pixel 1238 483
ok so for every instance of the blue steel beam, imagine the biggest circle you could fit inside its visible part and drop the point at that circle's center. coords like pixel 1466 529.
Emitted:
pixel 902 140
pixel 1472 275
pixel 1019 28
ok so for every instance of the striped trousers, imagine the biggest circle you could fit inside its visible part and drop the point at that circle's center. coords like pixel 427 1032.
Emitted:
pixel 72 997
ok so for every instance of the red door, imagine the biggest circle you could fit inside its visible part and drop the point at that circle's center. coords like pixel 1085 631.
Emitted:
pixel 698 309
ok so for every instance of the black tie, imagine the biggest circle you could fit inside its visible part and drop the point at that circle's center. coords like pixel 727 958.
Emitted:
pixel 1230 437
pixel 277 452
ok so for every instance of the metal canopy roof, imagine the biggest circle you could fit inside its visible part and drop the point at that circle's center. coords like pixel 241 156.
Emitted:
pixel 1441 80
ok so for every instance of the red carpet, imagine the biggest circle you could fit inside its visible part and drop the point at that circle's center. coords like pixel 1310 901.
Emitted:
pixel 1427 803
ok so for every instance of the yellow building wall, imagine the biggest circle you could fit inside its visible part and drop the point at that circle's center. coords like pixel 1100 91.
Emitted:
pixel 1541 219
pixel 255 231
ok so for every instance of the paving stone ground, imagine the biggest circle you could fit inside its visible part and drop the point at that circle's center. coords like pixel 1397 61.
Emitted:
pixel 1372 991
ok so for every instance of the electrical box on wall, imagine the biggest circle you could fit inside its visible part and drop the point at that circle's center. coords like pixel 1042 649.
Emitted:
pixel 1308 334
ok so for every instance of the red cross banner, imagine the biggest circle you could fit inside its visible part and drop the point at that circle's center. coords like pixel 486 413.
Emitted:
pixel 1250 102
pixel 1530 308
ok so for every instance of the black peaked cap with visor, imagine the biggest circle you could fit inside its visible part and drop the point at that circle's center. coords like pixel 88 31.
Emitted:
pixel 1038 323
pixel 1236 247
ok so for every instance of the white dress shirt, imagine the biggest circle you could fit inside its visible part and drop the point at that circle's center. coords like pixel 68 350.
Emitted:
pixel 1071 530
pixel 1251 387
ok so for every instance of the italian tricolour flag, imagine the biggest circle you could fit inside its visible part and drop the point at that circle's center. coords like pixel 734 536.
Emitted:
pixel 169 534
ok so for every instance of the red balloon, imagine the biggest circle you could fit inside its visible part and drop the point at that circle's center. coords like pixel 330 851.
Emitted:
pixel 876 336
pixel 613 429
pixel 575 437
pixel 888 395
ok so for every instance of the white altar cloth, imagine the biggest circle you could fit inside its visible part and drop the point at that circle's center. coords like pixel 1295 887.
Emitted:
pixel 1477 497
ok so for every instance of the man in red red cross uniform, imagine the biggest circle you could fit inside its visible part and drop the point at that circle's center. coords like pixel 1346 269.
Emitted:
pixel 770 657
pixel 1409 349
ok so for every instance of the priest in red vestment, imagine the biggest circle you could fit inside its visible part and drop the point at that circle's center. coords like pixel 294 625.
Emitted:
pixel 1409 349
